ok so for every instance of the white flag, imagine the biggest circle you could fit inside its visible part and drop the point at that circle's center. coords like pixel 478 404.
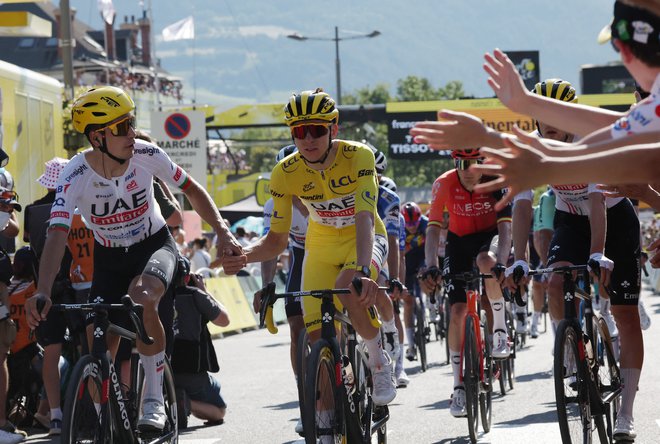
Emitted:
pixel 181 30
pixel 107 10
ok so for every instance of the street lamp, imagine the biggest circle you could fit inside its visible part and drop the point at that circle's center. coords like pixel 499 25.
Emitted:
pixel 336 39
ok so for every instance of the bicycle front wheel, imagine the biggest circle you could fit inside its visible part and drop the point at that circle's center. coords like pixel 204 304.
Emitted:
pixel 571 390
pixel 170 433
pixel 323 409
pixel 471 378
pixel 85 420
pixel 302 353
pixel 420 332
pixel 609 379
pixel 486 392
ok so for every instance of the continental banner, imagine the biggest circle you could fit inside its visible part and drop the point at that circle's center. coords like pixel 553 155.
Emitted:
pixel 228 291
pixel 402 116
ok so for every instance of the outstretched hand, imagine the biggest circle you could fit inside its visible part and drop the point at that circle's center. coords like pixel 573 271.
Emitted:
pixel 518 168
pixel 453 130
pixel 634 191
pixel 505 81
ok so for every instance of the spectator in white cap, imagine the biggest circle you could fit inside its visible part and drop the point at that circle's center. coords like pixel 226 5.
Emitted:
pixel 37 213
pixel 8 203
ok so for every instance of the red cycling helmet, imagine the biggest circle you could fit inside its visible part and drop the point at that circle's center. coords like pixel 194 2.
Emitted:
pixel 411 213
pixel 472 153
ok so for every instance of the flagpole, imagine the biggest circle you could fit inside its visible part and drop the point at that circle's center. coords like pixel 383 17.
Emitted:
pixel 194 65
pixel 153 59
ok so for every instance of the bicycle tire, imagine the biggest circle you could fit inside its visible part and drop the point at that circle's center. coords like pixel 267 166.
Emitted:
pixel 302 353
pixel 485 397
pixel 81 423
pixel 510 361
pixel 445 326
pixel 358 406
pixel 571 389
pixel 420 333
pixel 471 378
pixel 609 378
pixel 169 400
pixel 502 378
pixel 320 385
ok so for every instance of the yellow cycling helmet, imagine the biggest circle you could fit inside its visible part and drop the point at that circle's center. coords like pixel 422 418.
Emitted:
pixel 99 106
pixel 310 105
pixel 556 89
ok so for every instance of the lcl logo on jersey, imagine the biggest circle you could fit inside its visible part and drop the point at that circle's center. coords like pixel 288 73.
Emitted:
pixel 343 181
pixel 290 165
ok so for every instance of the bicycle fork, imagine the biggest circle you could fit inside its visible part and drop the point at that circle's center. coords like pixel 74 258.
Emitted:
pixel 472 310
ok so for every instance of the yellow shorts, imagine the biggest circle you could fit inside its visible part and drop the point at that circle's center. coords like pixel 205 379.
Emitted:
pixel 326 255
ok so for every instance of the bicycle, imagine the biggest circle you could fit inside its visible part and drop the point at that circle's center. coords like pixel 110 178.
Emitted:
pixel 96 410
pixel 422 328
pixel 586 375
pixel 336 374
pixel 476 358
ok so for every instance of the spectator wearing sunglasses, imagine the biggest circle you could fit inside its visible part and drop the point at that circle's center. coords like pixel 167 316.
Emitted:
pixel 134 252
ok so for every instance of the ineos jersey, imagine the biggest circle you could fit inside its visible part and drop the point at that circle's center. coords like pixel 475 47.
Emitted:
pixel 121 211
pixel 333 196
pixel 469 212
pixel 643 117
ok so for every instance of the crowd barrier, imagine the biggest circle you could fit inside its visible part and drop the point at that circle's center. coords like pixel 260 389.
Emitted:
pixel 236 293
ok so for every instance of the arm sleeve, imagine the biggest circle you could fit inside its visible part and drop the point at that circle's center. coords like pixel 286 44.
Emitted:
pixel 391 216
pixel 524 195
pixel 161 166
pixel 280 219
pixel 438 201
pixel 66 195
pixel 366 195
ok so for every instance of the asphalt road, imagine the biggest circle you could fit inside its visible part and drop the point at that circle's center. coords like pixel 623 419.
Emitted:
pixel 258 385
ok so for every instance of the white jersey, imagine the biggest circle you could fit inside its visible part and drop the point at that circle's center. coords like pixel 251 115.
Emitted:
pixel 121 211
pixel 298 230
pixel 644 117
pixel 573 199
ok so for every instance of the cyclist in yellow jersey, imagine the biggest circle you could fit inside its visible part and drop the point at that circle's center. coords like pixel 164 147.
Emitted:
pixel 335 179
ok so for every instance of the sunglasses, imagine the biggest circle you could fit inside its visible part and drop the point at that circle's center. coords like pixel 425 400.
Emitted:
pixel 123 127
pixel 464 164
pixel 316 131
pixel 8 195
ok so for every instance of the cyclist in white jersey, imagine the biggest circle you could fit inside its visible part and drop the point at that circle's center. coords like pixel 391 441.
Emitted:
pixel 134 253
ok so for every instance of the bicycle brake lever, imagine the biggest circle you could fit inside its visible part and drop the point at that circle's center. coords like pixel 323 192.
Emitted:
pixel 136 313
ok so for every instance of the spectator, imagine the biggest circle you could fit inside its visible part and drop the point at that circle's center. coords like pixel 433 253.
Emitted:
pixel 8 203
pixel 194 356
pixel 242 236
pixel 200 258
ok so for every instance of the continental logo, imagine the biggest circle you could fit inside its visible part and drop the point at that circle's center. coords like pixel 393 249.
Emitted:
pixel 312 197
pixel 308 186
pixel 506 126
pixel 289 165
pixel 110 101
pixel 363 173
pixel 77 172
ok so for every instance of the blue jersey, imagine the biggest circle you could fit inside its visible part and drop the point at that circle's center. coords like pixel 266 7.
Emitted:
pixel 402 232
pixel 388 209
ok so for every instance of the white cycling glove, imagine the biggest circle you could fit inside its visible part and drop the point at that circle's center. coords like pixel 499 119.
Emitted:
pixel 519 263
pixel 602 260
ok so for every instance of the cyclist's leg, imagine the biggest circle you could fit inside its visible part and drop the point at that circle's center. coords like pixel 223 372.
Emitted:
pixel 408 315
pixel 622 246
pixel 386 312
pixel 485 261
pixel 293 307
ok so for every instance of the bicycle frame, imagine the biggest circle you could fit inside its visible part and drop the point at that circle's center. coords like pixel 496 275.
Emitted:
pixel 473 302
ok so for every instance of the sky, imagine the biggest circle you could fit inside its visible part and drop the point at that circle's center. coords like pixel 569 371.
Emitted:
pixel 242 55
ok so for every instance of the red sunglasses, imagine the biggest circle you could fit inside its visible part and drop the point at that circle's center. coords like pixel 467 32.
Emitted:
pixel 316 131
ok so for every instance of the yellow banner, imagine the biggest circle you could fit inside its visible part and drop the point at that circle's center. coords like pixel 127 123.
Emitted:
pixel 227 290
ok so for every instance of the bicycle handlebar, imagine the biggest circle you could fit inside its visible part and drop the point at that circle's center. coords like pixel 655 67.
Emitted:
pixel 269 297
pixel 135 313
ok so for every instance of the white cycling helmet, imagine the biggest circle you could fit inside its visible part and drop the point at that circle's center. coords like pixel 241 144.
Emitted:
pixel 388 183
pixel 289 149
pixel 379 156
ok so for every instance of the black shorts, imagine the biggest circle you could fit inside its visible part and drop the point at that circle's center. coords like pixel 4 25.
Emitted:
pixel 115 268
pixel 460 254
pixel 293 306
pixel 571 242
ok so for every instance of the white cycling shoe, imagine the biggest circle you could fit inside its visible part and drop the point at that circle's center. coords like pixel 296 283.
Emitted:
pixel 457 403
pixel 501 347
pixel 624 428
pixel 153 416
pixel 384 386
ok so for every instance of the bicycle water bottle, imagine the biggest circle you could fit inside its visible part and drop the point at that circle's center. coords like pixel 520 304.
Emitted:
pixel 347 375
